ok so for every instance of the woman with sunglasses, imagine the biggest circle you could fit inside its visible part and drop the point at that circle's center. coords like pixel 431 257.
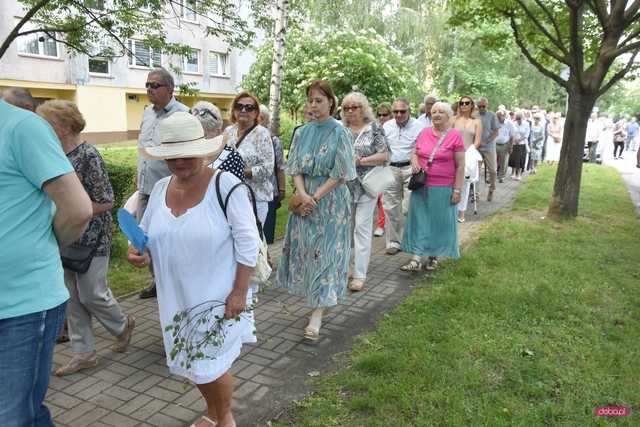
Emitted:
pixel 211 120
pixel 253 143
pixel 471 129
pixel 371 149
pixel 316 249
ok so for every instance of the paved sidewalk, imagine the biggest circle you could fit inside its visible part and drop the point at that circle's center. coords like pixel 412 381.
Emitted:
pixel 136 389
pixel 630 174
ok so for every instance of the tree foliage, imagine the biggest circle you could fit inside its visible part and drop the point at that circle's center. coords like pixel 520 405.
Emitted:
pixel 350 60
pixel 101 28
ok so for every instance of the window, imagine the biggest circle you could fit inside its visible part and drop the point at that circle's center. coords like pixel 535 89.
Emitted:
pixel 39 44
pixel 189 10
pixel 143 56
pixel 192 62
pixel 94 4
pixel 218 64
pixel 99 66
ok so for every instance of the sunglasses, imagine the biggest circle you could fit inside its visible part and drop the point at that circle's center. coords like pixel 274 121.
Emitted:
pixel 399 111
pixel 465 102
pixel 202 113
pixel 153 85
pixel 351 108
pixel 482 106
pixel 244 107
pixel 383 114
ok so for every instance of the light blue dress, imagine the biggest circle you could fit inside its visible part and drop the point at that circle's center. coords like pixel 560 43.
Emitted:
pixel 316 249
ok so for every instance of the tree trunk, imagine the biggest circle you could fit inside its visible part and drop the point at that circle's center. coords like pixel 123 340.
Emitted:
pixel 276 67
pixel 566 189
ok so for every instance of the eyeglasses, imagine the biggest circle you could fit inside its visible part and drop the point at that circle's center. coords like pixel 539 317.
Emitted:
pixel 465 103
pixel 244 107
pixel 202 113
pixel 351 108
pixel 399 111
pixel 383 114
pixel 153 85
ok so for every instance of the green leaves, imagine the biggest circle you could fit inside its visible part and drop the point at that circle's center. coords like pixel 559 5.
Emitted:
pixel 350 60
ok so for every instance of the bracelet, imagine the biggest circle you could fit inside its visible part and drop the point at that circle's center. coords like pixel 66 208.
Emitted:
pixel 457 190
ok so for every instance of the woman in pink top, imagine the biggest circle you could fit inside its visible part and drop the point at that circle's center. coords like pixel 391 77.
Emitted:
pixel 431 229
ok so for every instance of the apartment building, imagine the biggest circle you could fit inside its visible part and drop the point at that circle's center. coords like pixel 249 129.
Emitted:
pixel 111 93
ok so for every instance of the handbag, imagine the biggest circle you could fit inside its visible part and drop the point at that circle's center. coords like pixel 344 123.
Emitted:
pixel 295 204
pixel 262 270
pixel 419 180
pixel 377 180
pixel 77 257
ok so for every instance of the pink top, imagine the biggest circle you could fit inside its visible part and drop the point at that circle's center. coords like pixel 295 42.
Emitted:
pixel 443 169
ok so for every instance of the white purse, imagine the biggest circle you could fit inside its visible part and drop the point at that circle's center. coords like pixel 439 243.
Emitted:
pixel 377 180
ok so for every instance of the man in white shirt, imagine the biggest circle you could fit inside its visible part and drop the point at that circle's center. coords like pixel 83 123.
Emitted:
pixel 425 119
pixel 594 129
pixel 503 141
pixel 401 134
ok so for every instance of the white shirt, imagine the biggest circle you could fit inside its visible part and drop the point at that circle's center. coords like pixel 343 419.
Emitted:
pixel 425 121
pixel 522 131
pixel 195 258
pixel 505 132
pixel 594 127
pixel 402 140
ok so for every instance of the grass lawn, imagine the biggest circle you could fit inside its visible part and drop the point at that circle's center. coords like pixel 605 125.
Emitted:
pixel 123 278
pixel 537 324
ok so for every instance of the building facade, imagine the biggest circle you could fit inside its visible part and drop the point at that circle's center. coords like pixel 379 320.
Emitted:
pixel 111 93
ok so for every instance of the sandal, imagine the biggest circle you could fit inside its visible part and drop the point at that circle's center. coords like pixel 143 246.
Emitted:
pixel 413 265
pixel 120 346
pixel 311 333
pixel 77 363
pixel 432 264
pixel 204 418
pixel 356 285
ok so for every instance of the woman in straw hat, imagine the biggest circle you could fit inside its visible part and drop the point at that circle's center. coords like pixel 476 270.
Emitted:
pixel 187 231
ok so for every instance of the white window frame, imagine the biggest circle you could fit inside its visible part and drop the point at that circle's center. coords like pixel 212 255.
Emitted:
pixel 219 64
pixel 95 73
pixel 187 12
pixel 131 44
pixel 185 69
pixel 23 40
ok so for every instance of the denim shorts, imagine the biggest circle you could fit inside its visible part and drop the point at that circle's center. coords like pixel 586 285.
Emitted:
pixel 26 354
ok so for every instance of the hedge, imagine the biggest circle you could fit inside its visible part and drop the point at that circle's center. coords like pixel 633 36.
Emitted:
pixel 123 181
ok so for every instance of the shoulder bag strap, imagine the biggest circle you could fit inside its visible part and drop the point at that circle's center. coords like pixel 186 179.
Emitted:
pixel 245 135
pixel 436 148
pixel 224 204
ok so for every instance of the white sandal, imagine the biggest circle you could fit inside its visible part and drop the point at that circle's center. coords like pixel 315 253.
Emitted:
pixel 412 265
pixel 205 419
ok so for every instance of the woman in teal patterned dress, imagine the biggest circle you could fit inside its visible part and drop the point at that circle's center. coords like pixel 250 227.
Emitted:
pixel 316 249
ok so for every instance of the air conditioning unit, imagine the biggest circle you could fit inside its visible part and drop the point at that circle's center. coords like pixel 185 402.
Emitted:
pixel 133 98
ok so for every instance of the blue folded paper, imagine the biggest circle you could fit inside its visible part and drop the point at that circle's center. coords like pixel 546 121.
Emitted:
pixel 132 230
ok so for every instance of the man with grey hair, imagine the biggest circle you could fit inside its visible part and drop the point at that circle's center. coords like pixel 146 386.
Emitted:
pixel 504 142
pixel 160 92
pixel 425 119
pixel 20 98
pixel 490 128
pixel 401 135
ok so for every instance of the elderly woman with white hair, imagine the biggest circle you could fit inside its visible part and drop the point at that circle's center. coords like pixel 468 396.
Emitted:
pixel 518 155
pixel 278 179
pixel 431 229
pixel 371 150
pixel 204 252
pixel 211 120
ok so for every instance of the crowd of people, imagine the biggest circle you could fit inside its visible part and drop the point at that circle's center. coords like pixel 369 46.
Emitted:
pixel 207 198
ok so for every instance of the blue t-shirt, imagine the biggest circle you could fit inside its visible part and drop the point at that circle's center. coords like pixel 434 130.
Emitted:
pixel 31 276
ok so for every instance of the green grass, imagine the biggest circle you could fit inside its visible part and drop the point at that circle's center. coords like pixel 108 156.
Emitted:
pixel 537 324
pixel 125 279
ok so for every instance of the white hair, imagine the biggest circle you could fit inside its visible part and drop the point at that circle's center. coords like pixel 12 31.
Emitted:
pixel 359 98
pixel 445 106
pixel 265 116
pixel 208 114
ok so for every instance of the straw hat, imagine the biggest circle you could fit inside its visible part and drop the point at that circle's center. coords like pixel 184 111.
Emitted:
pixel 182 136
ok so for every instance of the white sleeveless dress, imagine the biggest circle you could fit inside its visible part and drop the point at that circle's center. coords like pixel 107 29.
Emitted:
pixel 194 259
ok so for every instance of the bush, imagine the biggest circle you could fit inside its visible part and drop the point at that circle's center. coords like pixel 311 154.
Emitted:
pixel 286 130
pixel 123 181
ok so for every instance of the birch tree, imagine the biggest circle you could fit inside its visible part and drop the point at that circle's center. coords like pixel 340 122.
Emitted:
pixel 280 29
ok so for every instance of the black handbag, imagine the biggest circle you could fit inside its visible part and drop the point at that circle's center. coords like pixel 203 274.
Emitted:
pixel 77 257
pixel 419 180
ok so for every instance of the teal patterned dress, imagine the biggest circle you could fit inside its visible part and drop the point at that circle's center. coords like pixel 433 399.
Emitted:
pixel 316 249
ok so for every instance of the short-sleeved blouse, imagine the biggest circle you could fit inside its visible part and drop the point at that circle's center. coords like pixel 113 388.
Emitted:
pixel 256 150
pixel 442 172
pixel 369 141
pixel 92 172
